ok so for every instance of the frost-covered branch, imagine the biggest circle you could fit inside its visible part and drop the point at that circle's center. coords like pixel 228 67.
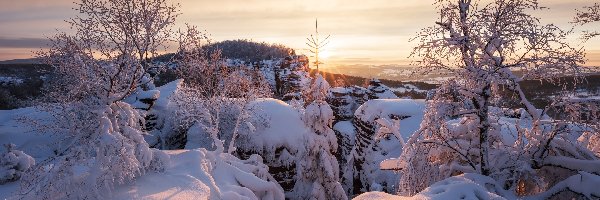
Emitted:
pixel 591 14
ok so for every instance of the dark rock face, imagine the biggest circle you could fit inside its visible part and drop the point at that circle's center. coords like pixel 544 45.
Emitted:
pixel 364 138
pixel 342 103
pixel 376 130
pixel 359 94
pixel 345 133
pixel 345 100
pixel 284 174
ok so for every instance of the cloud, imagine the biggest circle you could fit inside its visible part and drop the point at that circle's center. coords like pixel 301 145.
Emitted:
pixel 23 42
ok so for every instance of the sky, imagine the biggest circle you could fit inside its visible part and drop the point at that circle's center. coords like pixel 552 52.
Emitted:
pixel 373 32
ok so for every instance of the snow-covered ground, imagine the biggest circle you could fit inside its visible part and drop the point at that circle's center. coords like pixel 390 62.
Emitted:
pixel 465 186
pixel 191 174
pixel 202 174
pixel 8 81
pixel 281 132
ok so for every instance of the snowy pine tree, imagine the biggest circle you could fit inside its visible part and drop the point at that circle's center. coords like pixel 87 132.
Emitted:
pixel 317 170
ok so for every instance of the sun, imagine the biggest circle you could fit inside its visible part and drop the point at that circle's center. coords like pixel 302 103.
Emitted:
pixel 324 54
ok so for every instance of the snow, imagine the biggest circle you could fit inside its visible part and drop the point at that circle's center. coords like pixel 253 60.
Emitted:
pixel 583 183
pixel 465 186
pixel 202 174
pixel 385 108
pixel 379 195
pixel 197 137
pixel 346 129
pixel 8 81
pixel 276 124
pixel 196 174
pixel 13 164
pixel 15 129
pixel 592 166
pixel 408 88
pixel 390 164
pixel 149 94
pixel 165 92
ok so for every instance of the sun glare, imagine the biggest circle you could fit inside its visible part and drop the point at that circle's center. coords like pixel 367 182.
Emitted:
pixel 325 54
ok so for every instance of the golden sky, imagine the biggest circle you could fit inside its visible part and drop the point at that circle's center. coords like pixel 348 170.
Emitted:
pixel 363 31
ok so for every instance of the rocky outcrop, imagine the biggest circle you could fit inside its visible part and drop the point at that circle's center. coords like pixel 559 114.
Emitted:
pixel 377 90
pixel 380 126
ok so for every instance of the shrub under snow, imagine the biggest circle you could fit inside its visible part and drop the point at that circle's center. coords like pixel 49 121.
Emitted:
pixel 106 150
pixel 13 164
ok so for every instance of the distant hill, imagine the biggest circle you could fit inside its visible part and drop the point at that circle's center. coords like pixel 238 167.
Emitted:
pixel 242 49
pixel 250 51
pixel 21 61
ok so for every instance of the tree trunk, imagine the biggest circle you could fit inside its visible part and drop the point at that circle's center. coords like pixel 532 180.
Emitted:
pixel 484 126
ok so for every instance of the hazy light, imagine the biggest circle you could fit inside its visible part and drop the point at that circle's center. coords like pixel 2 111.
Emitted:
pixel 372 32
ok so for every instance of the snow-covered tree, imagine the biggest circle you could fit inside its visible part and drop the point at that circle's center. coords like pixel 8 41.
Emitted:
pixel 105 61
pixel 214 95
pixel 590 14
pixel 317 169
pixel 104 147
pixel 484 44
pixel 126 33
pixel 317 91
pixel 585 112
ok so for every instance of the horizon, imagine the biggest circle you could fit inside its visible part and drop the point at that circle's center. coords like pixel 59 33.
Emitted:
pixel 371 33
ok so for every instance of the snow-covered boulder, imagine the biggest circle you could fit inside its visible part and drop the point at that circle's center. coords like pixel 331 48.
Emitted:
pixel 297 145
pixel 277 135
pixel 275 125
pixel 408 111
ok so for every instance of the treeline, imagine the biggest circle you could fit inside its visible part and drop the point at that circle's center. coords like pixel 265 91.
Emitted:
pixel 242 49
pixel 17 95
pixel 249 50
